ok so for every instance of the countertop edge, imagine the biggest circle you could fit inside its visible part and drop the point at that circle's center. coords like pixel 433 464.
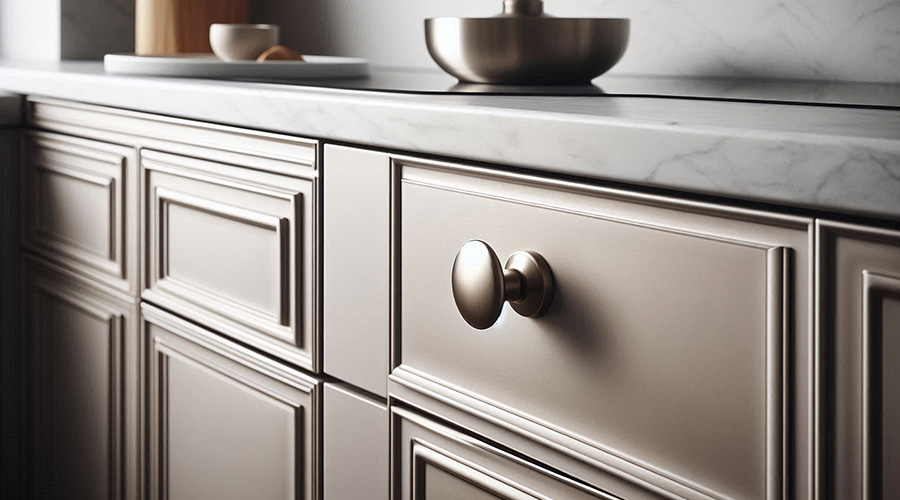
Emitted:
pixel 833 172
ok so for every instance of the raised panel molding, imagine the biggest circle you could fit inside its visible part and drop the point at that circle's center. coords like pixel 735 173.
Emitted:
pixel 421 442
pixel 49 294
pixel 108 169
pixel 279 209
pixel 424 454
pixel 58 242
pixel 168 338
pixel 279 225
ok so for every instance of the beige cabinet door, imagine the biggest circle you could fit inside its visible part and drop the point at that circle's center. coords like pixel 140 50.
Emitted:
pixel 84 388
pixel 858 362
pixel 81 208
pixel 224 422
pixel 675 346
pixel 231 247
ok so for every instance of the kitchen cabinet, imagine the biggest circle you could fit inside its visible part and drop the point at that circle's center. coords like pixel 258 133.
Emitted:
pixel 84 365
pixel 858 358
pixel 80 206
pixel 225 422
pixel 252 196
pixel 314 325
pixel 232 247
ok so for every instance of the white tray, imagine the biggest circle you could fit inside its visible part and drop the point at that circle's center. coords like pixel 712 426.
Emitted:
pixel 209 66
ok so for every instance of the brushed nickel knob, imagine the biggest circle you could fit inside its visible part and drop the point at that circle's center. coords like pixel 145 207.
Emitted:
pixel 481 286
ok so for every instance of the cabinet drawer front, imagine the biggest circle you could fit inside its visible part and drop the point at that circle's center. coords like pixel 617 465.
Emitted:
pixel 435 462
pixel 224 422
pixel 230 248
pixel 84 380
pixel 662 351
pixel 81 206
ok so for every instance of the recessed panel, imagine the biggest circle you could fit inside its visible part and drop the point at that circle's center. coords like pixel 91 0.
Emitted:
pixel 77 384
pixel 232 248
pixel 225 440
pixel 229 257
pixel 83 385
pixel 80 207
pixel 77 211
pixel 225 422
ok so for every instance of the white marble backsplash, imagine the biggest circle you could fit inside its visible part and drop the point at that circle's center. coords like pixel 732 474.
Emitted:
pixel 852 40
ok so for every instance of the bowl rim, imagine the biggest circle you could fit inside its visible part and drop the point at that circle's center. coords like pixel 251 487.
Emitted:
pixel 544 19
pixel 242 26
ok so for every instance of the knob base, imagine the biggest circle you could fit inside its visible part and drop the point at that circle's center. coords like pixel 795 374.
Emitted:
pixel 536 293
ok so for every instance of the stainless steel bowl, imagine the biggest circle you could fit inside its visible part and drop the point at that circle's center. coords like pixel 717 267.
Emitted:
pixel 524 46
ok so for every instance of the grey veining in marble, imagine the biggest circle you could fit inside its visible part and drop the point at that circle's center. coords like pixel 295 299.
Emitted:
pixel 837 159
pixel 855 40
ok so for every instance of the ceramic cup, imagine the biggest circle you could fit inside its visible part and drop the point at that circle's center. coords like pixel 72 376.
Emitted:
pixel 241 42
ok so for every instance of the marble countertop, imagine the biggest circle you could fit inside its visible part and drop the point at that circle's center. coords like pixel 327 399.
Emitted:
pixel 841 159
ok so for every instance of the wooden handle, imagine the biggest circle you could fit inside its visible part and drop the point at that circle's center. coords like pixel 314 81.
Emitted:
pixel 181 26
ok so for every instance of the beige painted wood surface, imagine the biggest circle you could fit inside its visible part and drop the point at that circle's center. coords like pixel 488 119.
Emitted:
pixel 356 266
pixel 81 206
pixel 355 455
pixel 180 26
pixel 271 152
pixel 858 357
pixel 435 462
pixel 85 389
pixel 665 345
pixel 232 248
pixel 224 422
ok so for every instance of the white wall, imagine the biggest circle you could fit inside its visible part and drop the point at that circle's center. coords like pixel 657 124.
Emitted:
pixel 29 29
pixel 65 29
pixel 855 40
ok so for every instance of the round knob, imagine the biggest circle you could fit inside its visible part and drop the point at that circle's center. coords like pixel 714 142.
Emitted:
pixel 481 285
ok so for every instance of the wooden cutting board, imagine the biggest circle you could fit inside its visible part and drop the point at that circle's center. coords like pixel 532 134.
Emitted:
pixel 181 26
